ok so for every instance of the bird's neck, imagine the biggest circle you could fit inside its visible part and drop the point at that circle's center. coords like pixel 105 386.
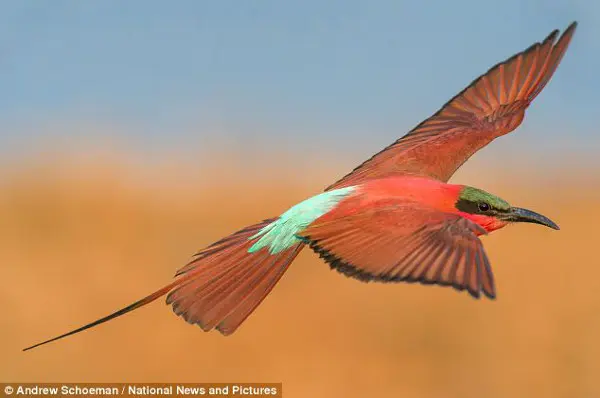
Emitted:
pixel 486 222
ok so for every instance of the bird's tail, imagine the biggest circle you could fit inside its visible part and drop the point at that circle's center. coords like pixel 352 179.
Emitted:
pixel 221 286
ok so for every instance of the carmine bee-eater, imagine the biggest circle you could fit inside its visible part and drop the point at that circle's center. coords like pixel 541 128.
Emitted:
pixel 392 219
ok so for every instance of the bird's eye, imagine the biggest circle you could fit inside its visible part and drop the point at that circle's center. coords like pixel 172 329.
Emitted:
pixel 483 206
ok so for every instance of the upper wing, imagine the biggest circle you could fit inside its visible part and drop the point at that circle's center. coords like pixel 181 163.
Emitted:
pixel 403 241
pixel 492 105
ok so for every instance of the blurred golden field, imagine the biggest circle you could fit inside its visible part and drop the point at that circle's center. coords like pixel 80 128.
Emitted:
pixel 81 238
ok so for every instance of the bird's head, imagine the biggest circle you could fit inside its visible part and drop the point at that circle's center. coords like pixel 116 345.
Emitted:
pixel 492 212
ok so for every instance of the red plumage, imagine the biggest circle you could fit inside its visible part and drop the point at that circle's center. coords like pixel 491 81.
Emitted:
pixel 401 224
pixel 404 230
pixel 229 281
pixel 492 105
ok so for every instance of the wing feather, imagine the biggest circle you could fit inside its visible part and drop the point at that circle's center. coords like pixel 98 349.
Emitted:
pixel 401 243
pixel 492 105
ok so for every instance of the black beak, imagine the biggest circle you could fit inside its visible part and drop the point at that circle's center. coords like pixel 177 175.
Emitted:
pixel 517 214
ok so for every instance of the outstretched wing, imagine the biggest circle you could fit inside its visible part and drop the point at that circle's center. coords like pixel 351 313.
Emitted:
pixel 404 242
pixel 492 105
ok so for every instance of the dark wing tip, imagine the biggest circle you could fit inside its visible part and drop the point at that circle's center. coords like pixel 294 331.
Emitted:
pixel 474 293
pixel 552 36
pixel 569 31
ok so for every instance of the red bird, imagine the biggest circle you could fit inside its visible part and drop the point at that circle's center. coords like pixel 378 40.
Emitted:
pixel 393 219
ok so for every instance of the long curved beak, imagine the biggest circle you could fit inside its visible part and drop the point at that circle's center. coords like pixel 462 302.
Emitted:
pixel 516 214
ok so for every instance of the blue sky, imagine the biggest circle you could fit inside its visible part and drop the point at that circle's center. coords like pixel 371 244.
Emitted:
pixel 350 74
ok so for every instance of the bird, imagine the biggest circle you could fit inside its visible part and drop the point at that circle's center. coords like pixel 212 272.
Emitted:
pixel 394 218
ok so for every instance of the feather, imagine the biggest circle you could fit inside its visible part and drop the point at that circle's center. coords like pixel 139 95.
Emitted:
pixel 492 105
pixel 411 243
